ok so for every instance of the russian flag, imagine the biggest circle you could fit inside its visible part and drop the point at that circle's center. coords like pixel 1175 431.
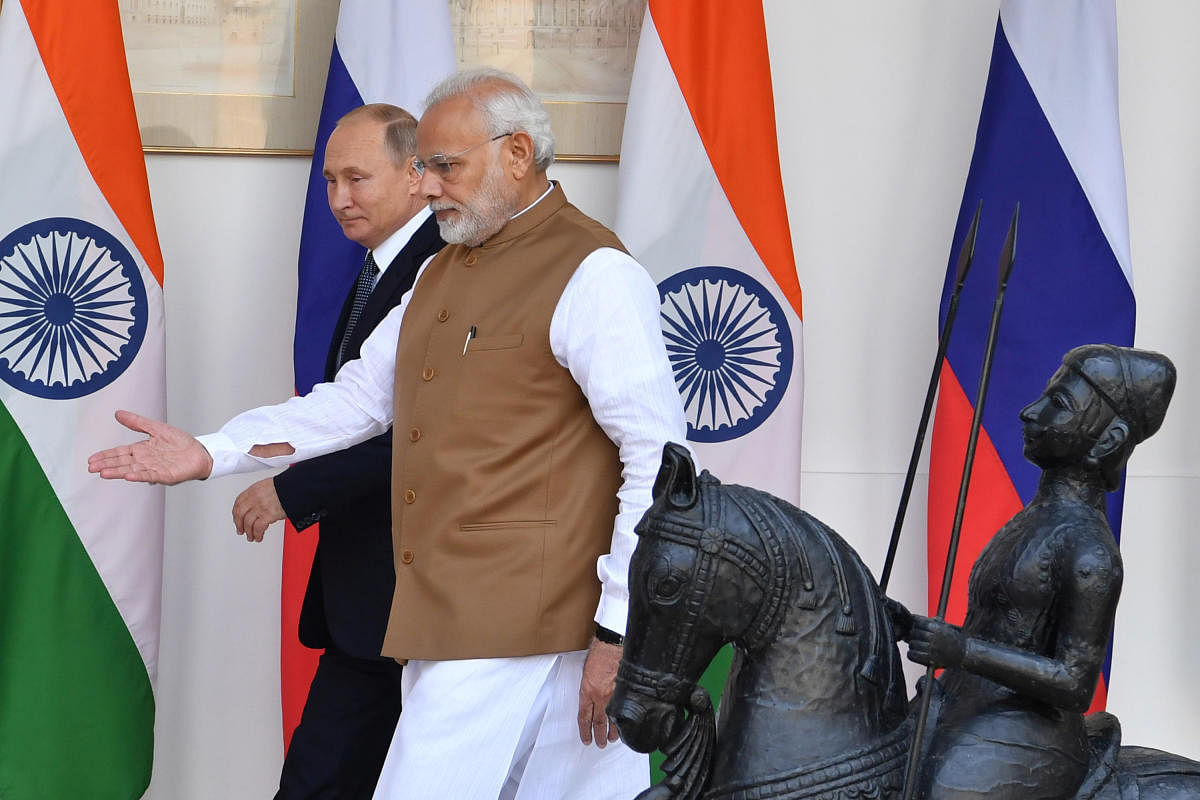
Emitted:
pixel 1048 138
pixel 392 52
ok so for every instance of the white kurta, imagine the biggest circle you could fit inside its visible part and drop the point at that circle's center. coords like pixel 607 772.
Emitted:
pixel 605 330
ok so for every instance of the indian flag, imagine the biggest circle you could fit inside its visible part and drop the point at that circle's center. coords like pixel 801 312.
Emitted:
pixel 701 206
pixel 81 333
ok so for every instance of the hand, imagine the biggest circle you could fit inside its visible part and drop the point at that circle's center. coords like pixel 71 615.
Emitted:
pixel 935 643
pixel 901 617
pixel 169 456
pixel 595 690
pixel 256 509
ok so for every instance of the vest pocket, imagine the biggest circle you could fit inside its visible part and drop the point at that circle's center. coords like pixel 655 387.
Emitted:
pixel 491 377
pixel 502 564
pixel 495 342
pixel 469 527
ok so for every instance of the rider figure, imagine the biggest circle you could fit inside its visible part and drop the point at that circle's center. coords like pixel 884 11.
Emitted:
pixel 1021 671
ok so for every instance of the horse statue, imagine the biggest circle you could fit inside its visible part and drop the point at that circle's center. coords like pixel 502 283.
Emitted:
pixel 816 705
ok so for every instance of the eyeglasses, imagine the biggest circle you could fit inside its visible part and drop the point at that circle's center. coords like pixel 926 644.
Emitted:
pixel 443 165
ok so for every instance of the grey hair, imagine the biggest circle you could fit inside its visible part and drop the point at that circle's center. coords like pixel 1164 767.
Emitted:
pixel 506 104
pixel 400 135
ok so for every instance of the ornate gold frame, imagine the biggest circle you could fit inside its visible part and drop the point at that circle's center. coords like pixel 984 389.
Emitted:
pixel 245 124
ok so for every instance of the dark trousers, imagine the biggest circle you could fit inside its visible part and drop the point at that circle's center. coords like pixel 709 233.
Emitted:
pixel 338 748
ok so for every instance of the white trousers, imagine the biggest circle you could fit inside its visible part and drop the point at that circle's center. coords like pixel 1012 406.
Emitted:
pixel 501 729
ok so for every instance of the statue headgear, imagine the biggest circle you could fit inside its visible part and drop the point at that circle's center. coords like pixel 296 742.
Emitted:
pixel 1136 384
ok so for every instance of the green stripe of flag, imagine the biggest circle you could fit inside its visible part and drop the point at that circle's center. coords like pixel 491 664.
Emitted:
pixel 76 707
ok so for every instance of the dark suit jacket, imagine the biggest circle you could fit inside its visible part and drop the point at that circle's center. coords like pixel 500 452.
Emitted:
pixel 349 492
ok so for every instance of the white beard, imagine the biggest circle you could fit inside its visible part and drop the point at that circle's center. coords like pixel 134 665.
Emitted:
pixel 484 216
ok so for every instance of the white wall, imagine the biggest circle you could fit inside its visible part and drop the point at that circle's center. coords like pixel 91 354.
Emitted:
pixel 877 105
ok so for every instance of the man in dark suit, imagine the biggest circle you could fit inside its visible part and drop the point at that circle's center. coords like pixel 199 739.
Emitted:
pixel 338 749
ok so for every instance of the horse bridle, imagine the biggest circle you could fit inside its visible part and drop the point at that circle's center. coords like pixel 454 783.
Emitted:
pixel 712 545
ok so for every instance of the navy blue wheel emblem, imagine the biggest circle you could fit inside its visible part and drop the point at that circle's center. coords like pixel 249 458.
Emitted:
pixel 730 347
pixel 72 308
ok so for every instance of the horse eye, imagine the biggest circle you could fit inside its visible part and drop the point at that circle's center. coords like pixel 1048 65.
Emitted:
pixel 665 586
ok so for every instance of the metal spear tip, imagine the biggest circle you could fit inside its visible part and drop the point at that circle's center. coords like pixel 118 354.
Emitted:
pixel 1009 252
pixel 967 254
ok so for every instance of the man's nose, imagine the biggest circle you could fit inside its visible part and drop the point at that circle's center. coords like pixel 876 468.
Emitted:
pixel 431 186
pixel 1029 412
pixel 339 195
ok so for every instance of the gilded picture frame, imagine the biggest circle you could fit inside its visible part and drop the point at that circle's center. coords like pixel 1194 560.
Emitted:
pixel 210 76
pixel 199 89
pixel 577 55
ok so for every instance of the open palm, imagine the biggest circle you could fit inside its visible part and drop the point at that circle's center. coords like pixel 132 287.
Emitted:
pixel 168 456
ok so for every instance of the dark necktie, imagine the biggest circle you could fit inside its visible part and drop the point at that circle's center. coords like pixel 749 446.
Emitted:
pixel 362 291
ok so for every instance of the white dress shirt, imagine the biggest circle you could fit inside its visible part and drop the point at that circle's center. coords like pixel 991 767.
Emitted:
pixel 605 330
pixel 387 251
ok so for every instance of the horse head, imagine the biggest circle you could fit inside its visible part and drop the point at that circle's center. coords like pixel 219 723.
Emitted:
pixel 697 580
pixel 817 661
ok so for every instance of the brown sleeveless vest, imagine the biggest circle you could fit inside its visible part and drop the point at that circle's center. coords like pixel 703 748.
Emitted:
pixel 503 485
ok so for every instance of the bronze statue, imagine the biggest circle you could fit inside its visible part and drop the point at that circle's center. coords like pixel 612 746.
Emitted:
pixel 816 701
pixel 1043 594
pixel 816 707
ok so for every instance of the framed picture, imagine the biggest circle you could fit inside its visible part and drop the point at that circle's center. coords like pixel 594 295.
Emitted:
pixel 577 55
pixel 214 76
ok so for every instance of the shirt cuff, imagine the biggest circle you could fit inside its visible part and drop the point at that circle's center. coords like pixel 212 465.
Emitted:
pixel 229 459
pixel 612 613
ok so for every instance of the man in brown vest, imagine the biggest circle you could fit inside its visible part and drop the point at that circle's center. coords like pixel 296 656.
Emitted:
pixel 531 395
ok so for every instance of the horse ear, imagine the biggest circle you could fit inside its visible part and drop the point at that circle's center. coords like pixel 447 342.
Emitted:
pixel 676 479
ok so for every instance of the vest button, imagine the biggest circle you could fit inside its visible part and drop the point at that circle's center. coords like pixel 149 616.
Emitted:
pixel 443 315
pixel 470 260
pixel 410 496
pixel 427 374
pixel 414 434
pixel 407 556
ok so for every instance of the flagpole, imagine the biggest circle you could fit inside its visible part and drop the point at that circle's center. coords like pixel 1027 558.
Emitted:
pixel 965 257
pixel 1007 255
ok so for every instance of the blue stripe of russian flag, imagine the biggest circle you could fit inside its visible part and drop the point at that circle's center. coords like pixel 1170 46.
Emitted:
pixel 329 262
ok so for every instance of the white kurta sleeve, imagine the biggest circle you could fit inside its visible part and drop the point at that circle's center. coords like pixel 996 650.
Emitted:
pixel 606 332
pixel 352 408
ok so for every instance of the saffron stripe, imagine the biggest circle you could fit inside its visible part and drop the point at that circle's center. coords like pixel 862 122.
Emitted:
pixel 84 54
pixel 720 61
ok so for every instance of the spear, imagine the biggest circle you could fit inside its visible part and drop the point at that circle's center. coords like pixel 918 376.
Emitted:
pixel 1007 255
pixel 965 257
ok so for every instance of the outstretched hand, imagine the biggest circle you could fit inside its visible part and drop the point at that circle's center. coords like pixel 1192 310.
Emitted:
pixel 168 456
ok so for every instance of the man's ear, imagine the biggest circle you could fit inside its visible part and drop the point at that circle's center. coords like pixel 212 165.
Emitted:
pixel 518 155
pixel 412 179
pixel 1110 441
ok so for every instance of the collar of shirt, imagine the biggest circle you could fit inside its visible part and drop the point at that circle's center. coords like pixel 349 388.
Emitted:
pixel 535 202
pixel 391 246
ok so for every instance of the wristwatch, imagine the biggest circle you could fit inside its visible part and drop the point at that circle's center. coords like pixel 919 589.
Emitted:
pixel 609 637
